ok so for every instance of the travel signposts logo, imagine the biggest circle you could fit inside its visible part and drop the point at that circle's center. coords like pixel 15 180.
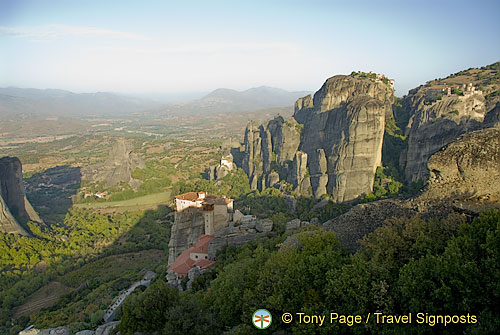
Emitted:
pixel 262 319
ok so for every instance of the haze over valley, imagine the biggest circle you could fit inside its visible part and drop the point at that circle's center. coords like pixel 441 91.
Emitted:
pixel 228 167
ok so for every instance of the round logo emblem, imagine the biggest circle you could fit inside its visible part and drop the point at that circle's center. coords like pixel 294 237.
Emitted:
pixel 262 319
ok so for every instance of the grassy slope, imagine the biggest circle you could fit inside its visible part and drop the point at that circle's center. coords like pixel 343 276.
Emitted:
pixel 147 200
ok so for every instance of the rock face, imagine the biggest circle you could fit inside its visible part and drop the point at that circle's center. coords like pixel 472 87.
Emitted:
pixel 433 126
pixel 363 219
pixel 333 143
pixel 464 177
pixel 189 225
pixel 117 168
pixel 344 126
pixel 238 235
pixel 221 170
pixel 193 273
pixel 15 209
pixel 466 173
pixel 270 149
pixel 49 331
pixel 104 329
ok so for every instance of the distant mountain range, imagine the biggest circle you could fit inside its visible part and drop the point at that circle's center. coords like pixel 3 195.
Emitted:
pixel 24 103
pixel 224 99
pixel 29 102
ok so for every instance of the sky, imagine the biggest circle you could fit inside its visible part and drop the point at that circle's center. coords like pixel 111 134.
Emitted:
pixel 193 46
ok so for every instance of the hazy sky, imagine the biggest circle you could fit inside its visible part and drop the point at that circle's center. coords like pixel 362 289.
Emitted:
pixel 179 46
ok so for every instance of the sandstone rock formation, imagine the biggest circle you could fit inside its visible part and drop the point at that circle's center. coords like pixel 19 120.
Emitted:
pixel 238 235
pixel 466 173
pixel 433 126
pixel 333 143
pixel 15 209
pixel 464 178
pixel 363 219
pixel 173 280
pixel 225 166
pixel 193 273
pixel 189 226
pixel 49 331
pixel 117 168
pixel 270 149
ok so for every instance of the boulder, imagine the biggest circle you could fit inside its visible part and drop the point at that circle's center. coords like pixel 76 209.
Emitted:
pixel 292 225
pixel 106 328
pixel 237 236
pixel 264 226
pixel 193 273
pixel 173 280
pixel 55 331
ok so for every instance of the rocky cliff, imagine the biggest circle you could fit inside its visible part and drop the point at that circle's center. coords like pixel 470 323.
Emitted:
pixel 464 178
pixel 332 144
pixel 238 235
pixel 117 168
pixel 269 149
pixel 433 126
pixel 189 225
pixel 225 166
pixel 15 209
pixel 466 173
pixel 443 109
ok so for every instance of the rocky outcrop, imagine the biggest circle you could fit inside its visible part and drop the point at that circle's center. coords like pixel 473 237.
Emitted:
pixel 351 227
pixel 193 273
pixel 85 332
pixel 466 173
pixel 15 209
pixel 188 227
pixel 238 235
pixel 118 167
pixel 295 224
pixel 270 149
pixel 332 144
pixel 225 166
pixel 344 122
pixel 173 280
pixel 432 126
pixel 464 178
pixel 49 331
pixel 492 118
pixel 105 329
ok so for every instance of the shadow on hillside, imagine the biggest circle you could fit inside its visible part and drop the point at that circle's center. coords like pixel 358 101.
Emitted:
pixel 51 192
pixel 120 262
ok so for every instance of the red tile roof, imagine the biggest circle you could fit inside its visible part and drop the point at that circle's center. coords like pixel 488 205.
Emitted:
pixel 215 201
pixel 202 245
pixel 191 196
pixel 184 263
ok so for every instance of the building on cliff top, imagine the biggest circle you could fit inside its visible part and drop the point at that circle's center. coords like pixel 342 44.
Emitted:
pixel 216 212
pixel 197 215
pixel 189 199
pixel 197 255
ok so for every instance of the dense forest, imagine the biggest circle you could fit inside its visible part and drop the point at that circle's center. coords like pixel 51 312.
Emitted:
pixel 435 267
pixel 85 240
